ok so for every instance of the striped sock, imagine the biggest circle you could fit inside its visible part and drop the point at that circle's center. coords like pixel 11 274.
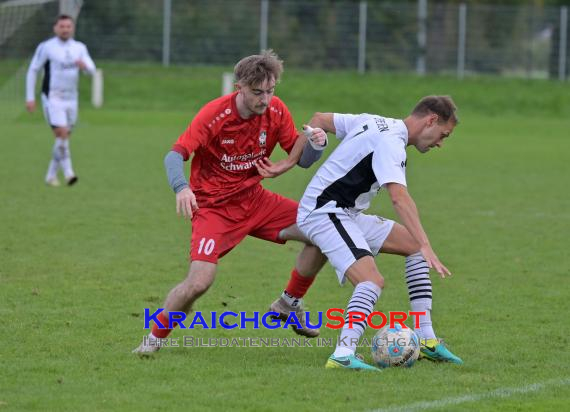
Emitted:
pixel 419 290
pixel 363 299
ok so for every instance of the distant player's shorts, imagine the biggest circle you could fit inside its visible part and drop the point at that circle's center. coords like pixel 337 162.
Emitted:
pixel 59 112
pixel 257 212
pixel 344 239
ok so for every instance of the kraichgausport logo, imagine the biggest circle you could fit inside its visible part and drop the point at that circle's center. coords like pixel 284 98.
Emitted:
pixel 335 319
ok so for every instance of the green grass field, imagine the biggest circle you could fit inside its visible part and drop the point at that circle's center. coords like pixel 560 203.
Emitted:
pixel 79 265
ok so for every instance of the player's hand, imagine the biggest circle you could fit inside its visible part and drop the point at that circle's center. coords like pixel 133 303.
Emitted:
pixel 316 136
pixel 266 168
pixel 186 203
pixel 433 261
pixel 81 64
pixel 31 106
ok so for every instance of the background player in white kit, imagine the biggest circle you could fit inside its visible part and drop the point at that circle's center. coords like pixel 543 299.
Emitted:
pixel 61 57
pixel 372 156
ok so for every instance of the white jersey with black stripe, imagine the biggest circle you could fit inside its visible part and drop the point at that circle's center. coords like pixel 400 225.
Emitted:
pixel 58 59
pixel 371 154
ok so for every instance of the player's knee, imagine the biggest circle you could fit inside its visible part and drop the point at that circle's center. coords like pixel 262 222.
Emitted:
pixel 191 289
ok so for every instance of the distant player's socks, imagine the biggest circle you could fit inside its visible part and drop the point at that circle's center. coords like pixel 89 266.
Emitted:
pixel 54 164
pixel 66 160
pixel 51 174
pixel 363 299
pixel 296 288
pixel 420 293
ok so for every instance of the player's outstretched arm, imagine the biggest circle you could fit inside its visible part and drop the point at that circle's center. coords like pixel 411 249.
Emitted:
pixel 266 168
pixel 406 208
pixel 323 121
pixel 186 203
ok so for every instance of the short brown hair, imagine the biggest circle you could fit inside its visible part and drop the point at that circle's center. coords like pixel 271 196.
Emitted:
pixel 64 17
pixel 443 106
pixel 253 70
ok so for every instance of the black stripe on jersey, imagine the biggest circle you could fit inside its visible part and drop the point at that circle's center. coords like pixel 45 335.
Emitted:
pixel 345 190
pixel 45 83
pixel 356 252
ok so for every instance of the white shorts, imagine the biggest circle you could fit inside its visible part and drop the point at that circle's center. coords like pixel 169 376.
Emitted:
pixel 344 239
pixel 59 112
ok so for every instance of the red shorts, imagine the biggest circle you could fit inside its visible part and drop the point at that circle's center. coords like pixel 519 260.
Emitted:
pixel 258 212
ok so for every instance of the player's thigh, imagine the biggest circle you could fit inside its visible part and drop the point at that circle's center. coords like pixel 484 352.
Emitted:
pixel 214 234
pixel 293 233
pixel 339 237
pixel 56 113
pixel 376 230
pixel 400 242
pixel 273 214
pixel 71 113
pixel 364 270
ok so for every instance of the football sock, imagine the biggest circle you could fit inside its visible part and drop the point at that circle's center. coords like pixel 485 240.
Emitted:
pixel 52 169
pixel 419 290
pixel 162 333
pixel 66 158
pixel 296 288
pixel 363 299
pixel 55 160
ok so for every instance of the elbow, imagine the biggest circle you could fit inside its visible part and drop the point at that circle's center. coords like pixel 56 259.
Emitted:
pixel 397 202
pixel 303 164
pixel 398 195
pixel 172 156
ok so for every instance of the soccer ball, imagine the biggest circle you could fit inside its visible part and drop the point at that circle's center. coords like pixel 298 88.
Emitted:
pixel 395 347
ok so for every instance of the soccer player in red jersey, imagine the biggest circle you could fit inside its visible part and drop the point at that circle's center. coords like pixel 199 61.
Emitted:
pixel 231 139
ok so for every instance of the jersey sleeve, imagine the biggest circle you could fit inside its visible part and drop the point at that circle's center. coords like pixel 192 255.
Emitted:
pixel 86 58
pixel 389 162
pixel 344 123
pixel 196 135
pixel 287 131
pixel 39 59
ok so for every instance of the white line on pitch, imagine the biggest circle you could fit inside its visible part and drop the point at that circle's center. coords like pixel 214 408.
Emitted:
pixel 497 393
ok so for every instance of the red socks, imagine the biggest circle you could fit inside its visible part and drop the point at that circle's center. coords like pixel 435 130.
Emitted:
pixel 298 285
pixel 162 333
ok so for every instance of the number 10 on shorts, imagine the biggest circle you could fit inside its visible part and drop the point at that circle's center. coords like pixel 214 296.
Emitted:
pixel 206 246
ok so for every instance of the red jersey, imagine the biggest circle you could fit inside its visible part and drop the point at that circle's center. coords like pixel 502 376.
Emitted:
pixel 225 147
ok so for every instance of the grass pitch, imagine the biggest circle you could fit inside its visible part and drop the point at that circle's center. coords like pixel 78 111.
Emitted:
pixel 79 265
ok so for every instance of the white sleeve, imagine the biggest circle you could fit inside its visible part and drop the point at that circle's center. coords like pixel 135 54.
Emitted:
pixel 86 58
pixel 389 162
pixel 39 59
pixel 343 123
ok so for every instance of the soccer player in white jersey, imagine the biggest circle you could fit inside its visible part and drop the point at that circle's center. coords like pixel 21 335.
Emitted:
pixel 370 157
pixel 61 58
